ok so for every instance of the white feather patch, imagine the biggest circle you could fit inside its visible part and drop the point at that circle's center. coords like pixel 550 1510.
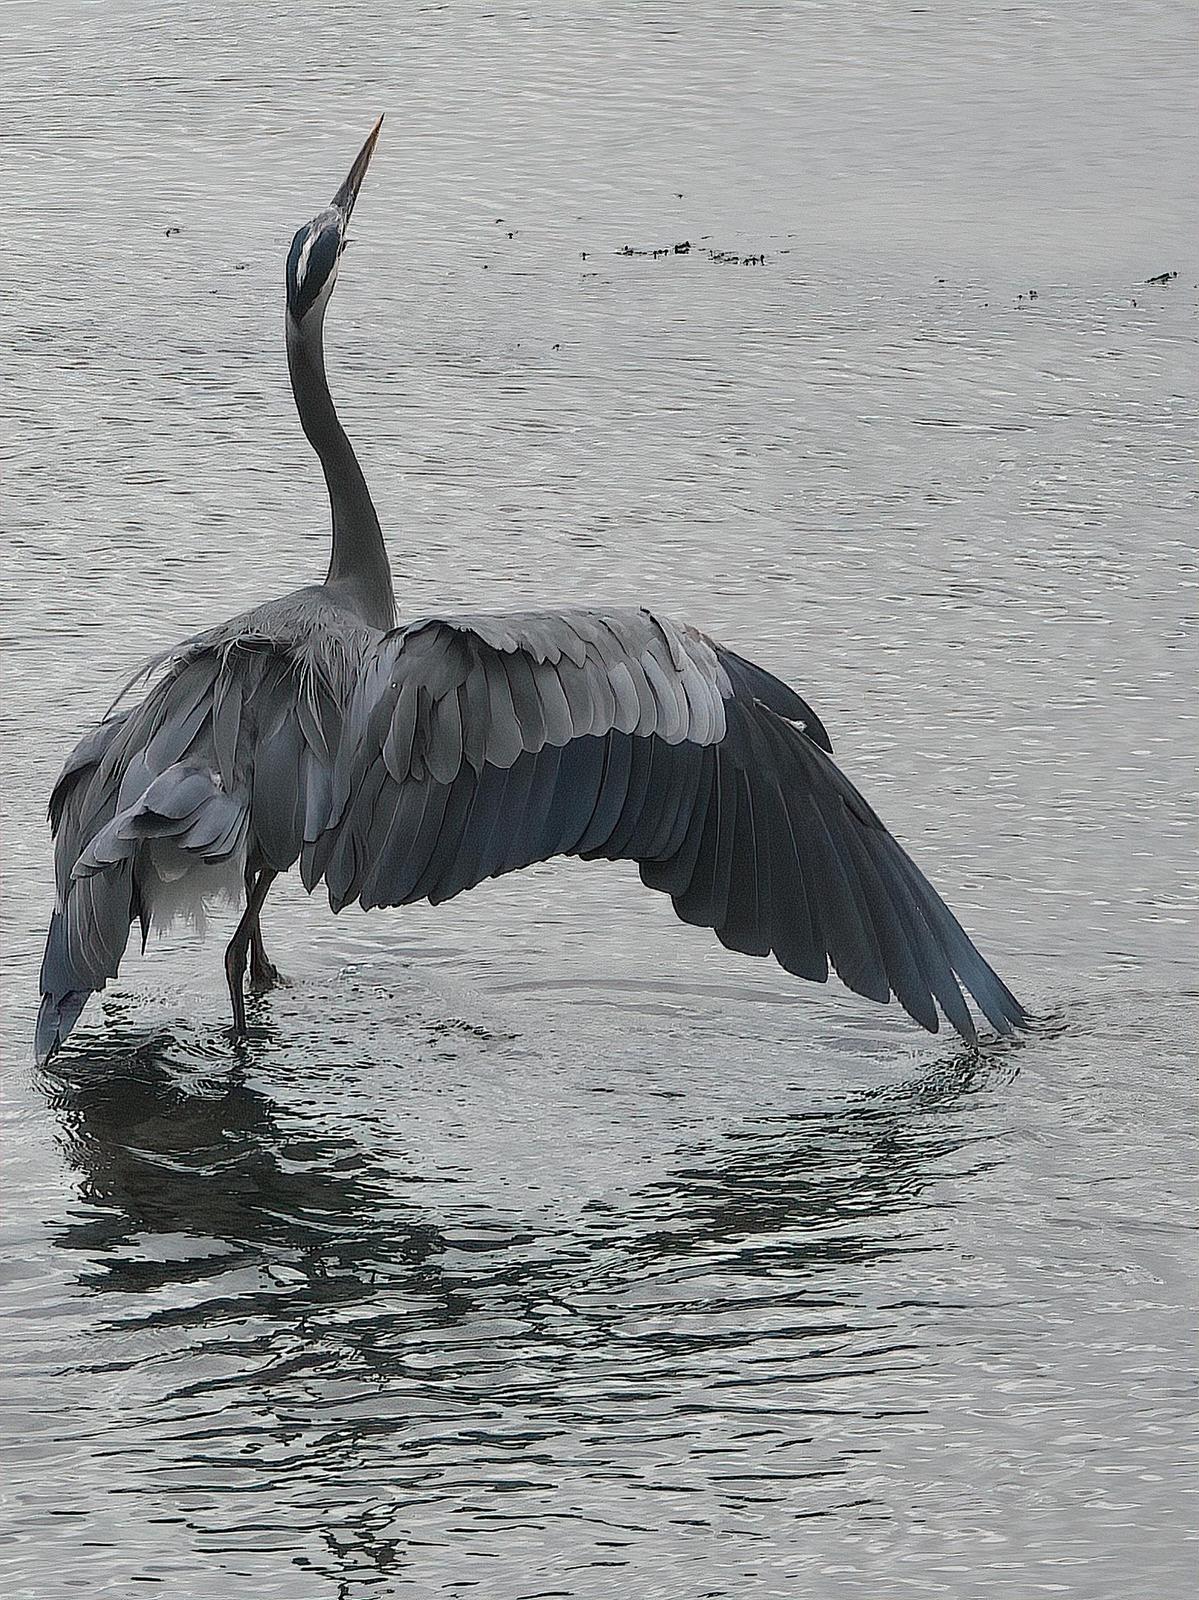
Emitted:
pixel 179 889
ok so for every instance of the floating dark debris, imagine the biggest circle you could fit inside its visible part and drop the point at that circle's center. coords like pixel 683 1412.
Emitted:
pixel 685 248
pixel 171 232
pixel 1163 277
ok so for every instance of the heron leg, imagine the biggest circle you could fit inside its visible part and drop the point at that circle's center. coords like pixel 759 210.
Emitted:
pixel 264 974
pixel 238 948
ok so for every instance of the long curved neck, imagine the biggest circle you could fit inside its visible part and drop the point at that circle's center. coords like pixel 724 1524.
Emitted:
pixel 358 568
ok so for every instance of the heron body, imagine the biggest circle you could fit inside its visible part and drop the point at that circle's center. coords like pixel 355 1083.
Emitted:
pixel 410 763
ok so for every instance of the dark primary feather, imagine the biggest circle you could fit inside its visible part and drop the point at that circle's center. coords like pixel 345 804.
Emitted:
pixel 475 745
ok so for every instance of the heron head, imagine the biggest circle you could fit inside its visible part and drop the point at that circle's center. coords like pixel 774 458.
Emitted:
pixel 312 259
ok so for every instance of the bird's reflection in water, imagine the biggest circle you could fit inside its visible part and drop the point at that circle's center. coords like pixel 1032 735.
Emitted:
pixel 327 1329
pixel 832 1179
pixel 176 1148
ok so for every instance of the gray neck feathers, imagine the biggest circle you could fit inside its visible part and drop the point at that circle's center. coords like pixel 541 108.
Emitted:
pixel 358 569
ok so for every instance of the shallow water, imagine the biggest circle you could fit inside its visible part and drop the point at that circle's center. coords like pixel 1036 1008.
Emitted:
pixel 533 1246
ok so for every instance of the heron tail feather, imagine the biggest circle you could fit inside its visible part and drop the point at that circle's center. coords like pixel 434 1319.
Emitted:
pixel 64 995
pixel 56 1017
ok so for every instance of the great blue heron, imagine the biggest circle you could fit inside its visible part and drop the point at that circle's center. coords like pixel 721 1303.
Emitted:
pixel 400 764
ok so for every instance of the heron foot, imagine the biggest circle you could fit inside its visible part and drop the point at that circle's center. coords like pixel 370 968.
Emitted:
pixel 265 976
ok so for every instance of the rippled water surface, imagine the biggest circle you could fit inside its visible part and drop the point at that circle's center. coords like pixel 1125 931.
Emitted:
pixel 534 1246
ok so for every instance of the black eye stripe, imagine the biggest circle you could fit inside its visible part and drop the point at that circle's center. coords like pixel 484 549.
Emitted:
pixel 317 259
pixel 293 260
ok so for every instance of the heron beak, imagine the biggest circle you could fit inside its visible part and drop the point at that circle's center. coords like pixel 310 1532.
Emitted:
pixel 343 200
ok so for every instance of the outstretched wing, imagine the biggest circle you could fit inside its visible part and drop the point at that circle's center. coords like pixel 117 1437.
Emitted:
pixel 475 745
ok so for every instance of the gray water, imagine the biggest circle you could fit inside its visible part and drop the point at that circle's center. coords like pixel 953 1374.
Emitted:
pixel 535 1246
